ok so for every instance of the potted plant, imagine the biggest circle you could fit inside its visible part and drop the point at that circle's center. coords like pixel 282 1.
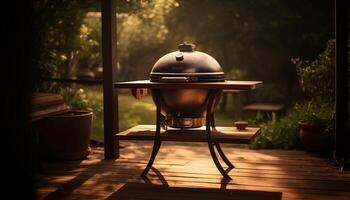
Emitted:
pixel 318 110
pixel 65 136
pixel 316 126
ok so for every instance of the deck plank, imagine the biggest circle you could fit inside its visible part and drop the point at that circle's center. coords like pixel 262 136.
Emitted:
pixel 189 169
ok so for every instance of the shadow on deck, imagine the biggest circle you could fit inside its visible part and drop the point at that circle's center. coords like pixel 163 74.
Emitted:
pixel 187 172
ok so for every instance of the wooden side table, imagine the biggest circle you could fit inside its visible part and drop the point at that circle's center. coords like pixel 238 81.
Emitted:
pixel 276 110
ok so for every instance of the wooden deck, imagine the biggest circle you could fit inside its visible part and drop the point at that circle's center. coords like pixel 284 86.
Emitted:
pixel 187 172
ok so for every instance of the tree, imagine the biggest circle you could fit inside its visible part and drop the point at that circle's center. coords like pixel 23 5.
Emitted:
pixel 59 24
pixel 141 35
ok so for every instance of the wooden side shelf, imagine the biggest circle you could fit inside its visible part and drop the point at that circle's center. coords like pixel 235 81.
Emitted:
pixel 222 135
pixel 226 85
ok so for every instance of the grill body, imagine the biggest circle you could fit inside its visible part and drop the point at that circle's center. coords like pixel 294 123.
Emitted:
pixel 185 108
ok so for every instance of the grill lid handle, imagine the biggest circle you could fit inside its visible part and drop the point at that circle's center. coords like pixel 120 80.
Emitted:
pixel 180 79
pixel 179 57
pixel 186 47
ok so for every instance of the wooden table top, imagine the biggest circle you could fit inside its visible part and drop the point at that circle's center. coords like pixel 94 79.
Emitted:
pixel 221 134
pixel 226 85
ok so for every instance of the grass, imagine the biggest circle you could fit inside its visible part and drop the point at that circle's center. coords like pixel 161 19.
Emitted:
pixel 133 112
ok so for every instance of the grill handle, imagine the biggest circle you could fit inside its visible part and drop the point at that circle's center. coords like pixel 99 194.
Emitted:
pixel 178 79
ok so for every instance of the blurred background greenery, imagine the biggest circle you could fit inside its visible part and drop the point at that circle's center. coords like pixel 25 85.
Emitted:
pixel 251 39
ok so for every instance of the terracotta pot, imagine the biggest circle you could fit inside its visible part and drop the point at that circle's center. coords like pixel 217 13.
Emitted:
pixel 314 138
pixel 65 136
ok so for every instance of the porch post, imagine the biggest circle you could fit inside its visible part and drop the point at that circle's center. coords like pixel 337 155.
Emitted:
pixel 341 123
pixel 109 55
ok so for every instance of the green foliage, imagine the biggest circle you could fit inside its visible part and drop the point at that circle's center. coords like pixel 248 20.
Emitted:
pixel 90 42
pixel 133 112
pixel 318 113
pixel 282 134
pixel 141 33
pixel 70 36
pixel 317 78
pixel 77 97
pixel 59 23
pixel 73 95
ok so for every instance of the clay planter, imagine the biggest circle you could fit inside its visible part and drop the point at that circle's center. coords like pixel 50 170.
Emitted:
pixel 314 138
pixel 65 136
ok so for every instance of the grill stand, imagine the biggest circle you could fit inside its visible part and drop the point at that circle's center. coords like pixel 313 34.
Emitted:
pixel 157 140
pixel 210 125
pixel 218 148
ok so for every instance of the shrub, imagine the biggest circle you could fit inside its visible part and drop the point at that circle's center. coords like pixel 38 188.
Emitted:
pixel 73 95
pixel 282 134
pixel 317 78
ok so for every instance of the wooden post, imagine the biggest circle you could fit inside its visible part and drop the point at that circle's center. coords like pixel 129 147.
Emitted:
pixel 341 98
pixel 110 98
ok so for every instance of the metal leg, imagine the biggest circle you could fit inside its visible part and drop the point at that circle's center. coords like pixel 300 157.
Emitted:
pixel 209 120
pixel 223 156
pixel 212 121
pixel 218 147
pixel 157 139
pixel 161 177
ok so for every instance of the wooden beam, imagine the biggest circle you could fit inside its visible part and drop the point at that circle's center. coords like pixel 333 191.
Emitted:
pixel 341 49
pixel 110 98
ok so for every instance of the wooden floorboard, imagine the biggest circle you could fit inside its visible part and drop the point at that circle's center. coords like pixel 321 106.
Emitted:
pixel 187 172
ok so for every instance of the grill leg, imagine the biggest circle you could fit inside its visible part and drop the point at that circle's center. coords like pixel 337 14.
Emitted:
pixel 223 156
pixel 157 139
pixel 218 147
pixel 209 120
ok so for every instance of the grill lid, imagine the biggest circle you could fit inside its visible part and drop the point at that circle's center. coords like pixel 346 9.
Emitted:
pixel 187 65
